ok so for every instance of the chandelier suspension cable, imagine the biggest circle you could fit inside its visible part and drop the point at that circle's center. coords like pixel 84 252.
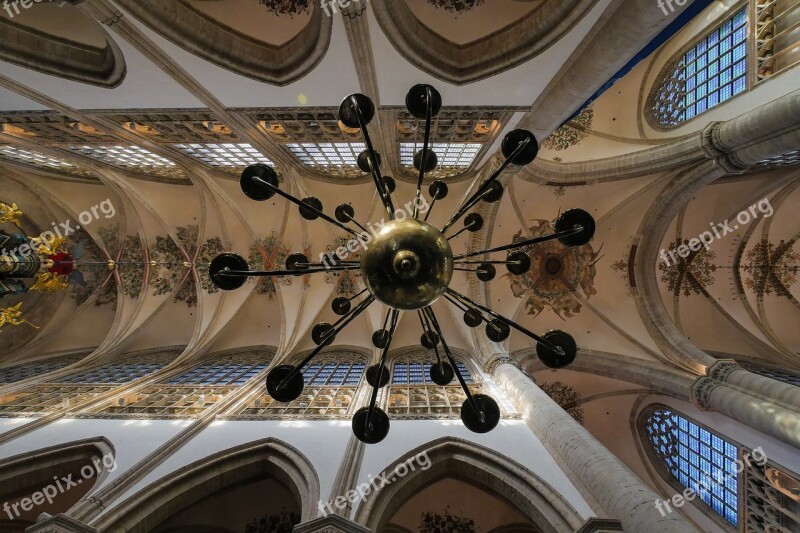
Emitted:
pixel 368 425
pixel 305 205
pixel 466 300
pixel 374 164
pixel 486 187
pixel 432 317
pixel 422 167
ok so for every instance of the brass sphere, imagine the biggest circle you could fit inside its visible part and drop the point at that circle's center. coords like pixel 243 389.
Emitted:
pixel 408 264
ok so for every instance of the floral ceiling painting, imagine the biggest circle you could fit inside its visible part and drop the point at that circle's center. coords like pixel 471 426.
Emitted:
pixel 687 275
pixel 771 268
pixel 571 133
pixel 556 272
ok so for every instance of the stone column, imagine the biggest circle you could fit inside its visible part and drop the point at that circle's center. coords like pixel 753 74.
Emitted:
pixel 760 414
pixel 729 371
pixel 619 491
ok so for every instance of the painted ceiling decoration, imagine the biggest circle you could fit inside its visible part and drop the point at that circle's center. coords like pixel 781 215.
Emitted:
pixel 771 268
pixel 571 133
pixel 499 51
pixel 68 58
pixel 687 275
pixel 278 64
pixel 456 6
pixel 566 396
pixel 286 7
pixel 556 272
pixel 269 253
pixel 408 264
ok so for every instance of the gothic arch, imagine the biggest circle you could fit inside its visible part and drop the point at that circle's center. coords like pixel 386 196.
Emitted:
pixel 228 48
pixel 479 466
pixel 20 475
pixel 495 53
pixel 248 462
pixel 72 60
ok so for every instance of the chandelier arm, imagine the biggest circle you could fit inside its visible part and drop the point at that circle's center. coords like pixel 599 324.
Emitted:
pixel 357 295
pixel 357 223
pixel 459 232
pixel 268 273
pixel 430 208
pixel 426 329
pixel 326 341
pixel 464 387
pixel 490 262
pixel 383 191
pixel 374 398
pixel 528 242
pixel 484 188
pixel 428 116
pixel 304 205
pixel 508 321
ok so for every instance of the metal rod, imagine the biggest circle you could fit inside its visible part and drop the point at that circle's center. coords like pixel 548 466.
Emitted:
pixel 267 273
pixel 430 208
pixel 459 232
pixel 383 191
pixel 522 244
pixel 459 305
pixel 491 262
pixel 509 322
pixel 306 206
pixel 374 398
pixel 357 295
pixel 475 198
pixel 428 116
pixel 426 329
pixel 357 223
pixel 354 313
pixel 432 318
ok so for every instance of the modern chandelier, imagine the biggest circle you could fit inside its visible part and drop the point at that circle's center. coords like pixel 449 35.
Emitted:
pixel 407 265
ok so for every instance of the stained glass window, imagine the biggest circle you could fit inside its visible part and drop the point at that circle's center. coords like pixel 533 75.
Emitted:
pixel 332 373
pixel 712 71
pixel 418 372
pixel 219 373
pixel 16 373
pixel 697 458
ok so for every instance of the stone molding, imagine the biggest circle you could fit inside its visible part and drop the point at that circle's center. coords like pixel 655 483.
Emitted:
pixel 60 524
pixel 701 392
pixel 600 525
pixel 330 524
pixel 498 360
pixel 722 369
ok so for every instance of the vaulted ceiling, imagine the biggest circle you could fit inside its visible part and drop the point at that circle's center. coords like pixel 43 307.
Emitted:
pixel 156 107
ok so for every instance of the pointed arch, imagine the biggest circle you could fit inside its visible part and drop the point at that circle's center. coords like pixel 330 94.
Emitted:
pixel 474 464
pixel 257 460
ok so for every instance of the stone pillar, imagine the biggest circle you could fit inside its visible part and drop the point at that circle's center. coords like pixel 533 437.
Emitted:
pixel 729 371
pixel 347 476
pixel 760 414
pixel 619 491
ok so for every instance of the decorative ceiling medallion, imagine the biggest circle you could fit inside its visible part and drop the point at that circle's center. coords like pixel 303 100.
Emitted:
pixel 286 7
pixel 571 133
pixel 497 52
pixel 771 268
pixel 456 6
pixel 407 264
pixel 690 274
pixel 555 270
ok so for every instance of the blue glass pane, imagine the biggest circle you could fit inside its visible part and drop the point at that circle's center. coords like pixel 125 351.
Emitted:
pixel 697 459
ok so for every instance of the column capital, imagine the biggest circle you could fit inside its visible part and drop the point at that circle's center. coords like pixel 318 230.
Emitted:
pixel 60 524
pixel 701 392
pixel 600 525
pixel 722 369
pixel 330 524
pixel 712 145
pixel 497 360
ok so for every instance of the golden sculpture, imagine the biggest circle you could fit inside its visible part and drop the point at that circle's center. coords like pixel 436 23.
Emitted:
pixel 13 316
pixel 10 213
pixel 48 247
pixel 49 282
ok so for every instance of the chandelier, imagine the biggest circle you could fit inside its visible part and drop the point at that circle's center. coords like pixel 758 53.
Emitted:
pixel 407 265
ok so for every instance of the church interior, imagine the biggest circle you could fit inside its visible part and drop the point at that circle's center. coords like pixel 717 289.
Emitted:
pixel 397 266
